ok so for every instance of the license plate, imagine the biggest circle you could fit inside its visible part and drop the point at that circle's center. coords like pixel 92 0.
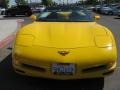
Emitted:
pixel 63 69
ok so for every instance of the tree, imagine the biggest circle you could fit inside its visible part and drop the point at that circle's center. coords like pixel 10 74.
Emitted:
pixel 4 3
pixel 93 2
pixel 7 3
pixel 108 1
pixel 21 2
pixel 47 2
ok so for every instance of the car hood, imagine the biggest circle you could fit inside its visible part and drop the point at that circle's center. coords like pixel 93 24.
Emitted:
pixel 61 34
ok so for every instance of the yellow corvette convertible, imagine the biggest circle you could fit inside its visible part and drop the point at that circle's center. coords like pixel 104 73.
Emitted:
pixel 64 44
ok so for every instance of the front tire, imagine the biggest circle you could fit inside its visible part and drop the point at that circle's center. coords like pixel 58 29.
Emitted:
pixel 110 13
pixel 10 14
pixel 2 13
pixel 27 14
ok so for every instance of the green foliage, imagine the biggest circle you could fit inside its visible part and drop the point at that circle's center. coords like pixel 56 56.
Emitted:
pixel 7 3
pixel 4 3
pixel 47 2
pixel 93 2
pixel 21 2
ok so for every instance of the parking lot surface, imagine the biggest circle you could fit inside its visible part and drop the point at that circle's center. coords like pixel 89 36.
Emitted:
pixel 9 80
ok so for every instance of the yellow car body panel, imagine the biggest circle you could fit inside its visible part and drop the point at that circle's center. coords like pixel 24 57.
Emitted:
pixel 87 45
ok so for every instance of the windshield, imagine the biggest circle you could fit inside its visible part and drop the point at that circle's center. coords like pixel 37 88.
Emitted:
pixel 65 16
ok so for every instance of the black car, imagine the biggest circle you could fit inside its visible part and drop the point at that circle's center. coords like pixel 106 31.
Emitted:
pixel 19 10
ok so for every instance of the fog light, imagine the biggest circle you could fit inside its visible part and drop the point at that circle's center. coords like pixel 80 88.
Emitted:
pixel 16 61
pixel 110 64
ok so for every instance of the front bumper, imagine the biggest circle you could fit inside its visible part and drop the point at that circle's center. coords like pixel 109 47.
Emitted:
pixel 37 62
pixel 47 73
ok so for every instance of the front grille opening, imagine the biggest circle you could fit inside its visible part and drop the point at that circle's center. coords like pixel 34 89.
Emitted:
pixel 95 69
pixel 108 73
pixel 20 71
pixel 33 67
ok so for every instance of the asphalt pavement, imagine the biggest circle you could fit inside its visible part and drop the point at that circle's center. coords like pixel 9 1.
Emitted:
pixel 113 23
pixel 9 80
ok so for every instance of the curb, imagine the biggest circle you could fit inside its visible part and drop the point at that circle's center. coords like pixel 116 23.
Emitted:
pixel 12 36
pixel 7 40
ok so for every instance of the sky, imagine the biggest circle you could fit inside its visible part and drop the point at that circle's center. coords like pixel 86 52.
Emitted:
pixel 12 2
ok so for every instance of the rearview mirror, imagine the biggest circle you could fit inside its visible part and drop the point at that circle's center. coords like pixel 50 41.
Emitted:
pixel 97 17
pixel 33 17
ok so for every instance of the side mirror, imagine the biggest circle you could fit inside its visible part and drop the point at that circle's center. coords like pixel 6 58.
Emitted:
pixel 33 17
pixel 97 17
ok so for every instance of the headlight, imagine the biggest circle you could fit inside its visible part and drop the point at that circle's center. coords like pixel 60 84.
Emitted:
pixel 103 41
